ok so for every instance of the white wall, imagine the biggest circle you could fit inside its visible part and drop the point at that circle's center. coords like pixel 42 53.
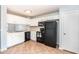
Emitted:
pixel 3 28
pixel 69 21
pixel 34 22
pixel 18 37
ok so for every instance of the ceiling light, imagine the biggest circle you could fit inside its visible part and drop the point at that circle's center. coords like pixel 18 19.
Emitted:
pixel 28 11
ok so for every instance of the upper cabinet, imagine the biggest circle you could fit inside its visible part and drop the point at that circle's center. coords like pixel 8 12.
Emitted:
pixel 51 16
pixel 34 22
pixel 14 19
pixel 17 23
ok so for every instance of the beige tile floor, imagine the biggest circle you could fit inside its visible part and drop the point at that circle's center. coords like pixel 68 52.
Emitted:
pixel 32 47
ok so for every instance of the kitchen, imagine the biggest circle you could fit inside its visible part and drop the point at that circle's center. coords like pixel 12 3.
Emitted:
pixel 21 24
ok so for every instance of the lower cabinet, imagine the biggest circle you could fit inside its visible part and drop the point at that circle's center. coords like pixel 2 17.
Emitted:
pixel 15 38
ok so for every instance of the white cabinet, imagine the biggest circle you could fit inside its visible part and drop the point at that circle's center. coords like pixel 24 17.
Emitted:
pixel 15 38
pixel 33 23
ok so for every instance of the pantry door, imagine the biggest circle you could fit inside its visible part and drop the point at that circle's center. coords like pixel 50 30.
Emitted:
pixel 71 32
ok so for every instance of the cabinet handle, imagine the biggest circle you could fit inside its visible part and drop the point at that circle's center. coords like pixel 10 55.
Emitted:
pixel 64 33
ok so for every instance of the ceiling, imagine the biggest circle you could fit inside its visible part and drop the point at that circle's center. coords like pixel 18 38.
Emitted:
pixel 36 10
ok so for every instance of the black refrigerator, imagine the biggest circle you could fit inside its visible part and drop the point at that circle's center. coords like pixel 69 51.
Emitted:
pixel 49 33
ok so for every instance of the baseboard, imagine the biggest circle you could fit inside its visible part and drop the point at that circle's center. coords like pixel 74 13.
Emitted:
pixel 70 51
pixel 67 50
pixel 4 49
